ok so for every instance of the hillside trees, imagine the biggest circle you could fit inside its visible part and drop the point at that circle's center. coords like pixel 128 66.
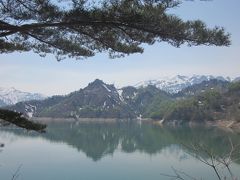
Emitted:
pixel 211 104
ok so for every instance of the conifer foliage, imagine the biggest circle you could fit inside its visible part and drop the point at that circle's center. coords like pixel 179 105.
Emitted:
pixel 82 28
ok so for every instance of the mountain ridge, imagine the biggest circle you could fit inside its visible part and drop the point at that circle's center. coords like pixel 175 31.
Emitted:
pixel 177 83
pixel 10 96
pixel 98 99
pixel 102 100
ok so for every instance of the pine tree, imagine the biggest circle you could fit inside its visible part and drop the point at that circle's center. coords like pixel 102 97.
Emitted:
pixel 81 28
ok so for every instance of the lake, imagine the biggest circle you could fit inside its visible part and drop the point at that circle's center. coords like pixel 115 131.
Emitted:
pixel 114 151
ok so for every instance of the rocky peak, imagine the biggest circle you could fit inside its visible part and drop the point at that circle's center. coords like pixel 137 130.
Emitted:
pixel 100 86
pixel 96 82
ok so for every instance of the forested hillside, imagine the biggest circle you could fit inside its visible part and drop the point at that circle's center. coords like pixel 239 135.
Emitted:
pixel 207 101
pixel 213 103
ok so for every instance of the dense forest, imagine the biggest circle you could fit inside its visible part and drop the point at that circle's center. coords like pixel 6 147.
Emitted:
pixel 216 102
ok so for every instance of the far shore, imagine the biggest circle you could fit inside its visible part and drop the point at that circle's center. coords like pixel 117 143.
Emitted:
pixel 87 120
pixel 227 125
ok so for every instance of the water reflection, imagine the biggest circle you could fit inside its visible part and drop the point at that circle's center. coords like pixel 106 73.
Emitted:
pixel 97 140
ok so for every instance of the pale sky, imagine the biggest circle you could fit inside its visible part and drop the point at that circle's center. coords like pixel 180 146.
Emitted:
pixel 29 72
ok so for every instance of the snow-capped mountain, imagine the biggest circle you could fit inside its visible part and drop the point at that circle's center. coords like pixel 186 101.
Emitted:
pixel 177 83
pixel 237 79
pixel 101 100
pixel 97 100
pixel 10 96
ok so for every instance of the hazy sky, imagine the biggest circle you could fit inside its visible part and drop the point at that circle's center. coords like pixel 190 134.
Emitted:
pixel 29 72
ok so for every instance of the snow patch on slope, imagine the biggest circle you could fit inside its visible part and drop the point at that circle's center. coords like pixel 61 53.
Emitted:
pixel 30 110
pixel 106 88
pixel 12 96
pixel 177 83
pixel 120 91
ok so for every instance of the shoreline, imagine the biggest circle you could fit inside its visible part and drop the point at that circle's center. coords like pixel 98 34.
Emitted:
pixel 226 125
pixel 83 120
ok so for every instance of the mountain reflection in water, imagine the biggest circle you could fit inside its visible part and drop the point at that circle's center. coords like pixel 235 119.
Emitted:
pixel 97 140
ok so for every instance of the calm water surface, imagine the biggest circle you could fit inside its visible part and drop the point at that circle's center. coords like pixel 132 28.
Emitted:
pixel 114 151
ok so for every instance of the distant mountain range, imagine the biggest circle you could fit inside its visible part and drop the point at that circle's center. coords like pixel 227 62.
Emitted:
pixel 10 96
pixel 236 79
pixel 98 99
pixel 172 85
pixel 204 97
pixel 179 82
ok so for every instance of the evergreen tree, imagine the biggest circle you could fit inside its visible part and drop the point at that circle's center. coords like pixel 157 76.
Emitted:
pixel 82 28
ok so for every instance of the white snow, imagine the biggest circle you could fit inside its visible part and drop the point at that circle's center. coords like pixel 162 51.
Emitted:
pixel 104 104
pixel 177 83
pixel 30 114
pixel 30 109
pixel 134 94
pixel 12 96
pixel 106 88
pixel 120 91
